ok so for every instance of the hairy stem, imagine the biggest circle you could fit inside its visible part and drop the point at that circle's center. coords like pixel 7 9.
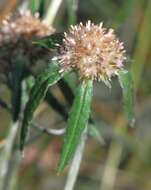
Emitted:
pixel 7 157
pixel 75 165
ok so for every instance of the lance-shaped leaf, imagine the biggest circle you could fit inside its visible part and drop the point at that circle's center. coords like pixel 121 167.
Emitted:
pixel 38 92
pixel 126 83
pixel 77 121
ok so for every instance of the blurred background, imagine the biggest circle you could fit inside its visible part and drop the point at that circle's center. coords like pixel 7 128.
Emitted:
pixel 112 159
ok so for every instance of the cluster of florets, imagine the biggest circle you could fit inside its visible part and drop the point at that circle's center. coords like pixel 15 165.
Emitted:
pixel 16 36
pixel 25 25
pixel 93 51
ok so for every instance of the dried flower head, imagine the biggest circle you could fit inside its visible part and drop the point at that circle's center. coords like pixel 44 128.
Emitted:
pixel 25 25
pixel 93 51
pixel 16 35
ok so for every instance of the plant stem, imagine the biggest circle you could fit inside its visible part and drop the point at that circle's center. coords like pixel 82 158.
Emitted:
pixel 142 47
pixel 72 6
pixel 10 156
pixel 114 158
pixel 111 167
pixel 6 157
pixel 75 165
pixel 49 131
pixel 52 11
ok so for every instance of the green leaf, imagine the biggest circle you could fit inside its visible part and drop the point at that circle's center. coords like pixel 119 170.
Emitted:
pixel 42 8
pixel 34 5
pixel 50 42
pixel 77 121
pixel 16 85
pixel 38 92
pixel 126 83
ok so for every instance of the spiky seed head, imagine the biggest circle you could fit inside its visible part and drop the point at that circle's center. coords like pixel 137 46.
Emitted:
pixel 93 51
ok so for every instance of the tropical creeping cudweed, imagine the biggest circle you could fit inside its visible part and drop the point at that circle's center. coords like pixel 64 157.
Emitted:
pixel 18 54
pixel 94 53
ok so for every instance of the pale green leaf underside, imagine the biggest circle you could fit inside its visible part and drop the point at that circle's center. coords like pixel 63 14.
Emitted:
pixel 126 83
pixel 77 121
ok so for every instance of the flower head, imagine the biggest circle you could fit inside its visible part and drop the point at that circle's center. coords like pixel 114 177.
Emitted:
pixel 93 51
pixel 16 35
pixel 24 25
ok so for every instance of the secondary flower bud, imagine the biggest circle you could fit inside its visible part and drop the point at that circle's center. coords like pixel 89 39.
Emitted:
pixel 93 51
pixel 16 36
